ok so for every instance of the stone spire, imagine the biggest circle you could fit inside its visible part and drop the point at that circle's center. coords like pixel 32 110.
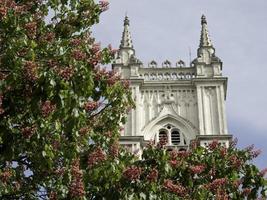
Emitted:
pixel 206 63
pixel 205 45
pixel 126 53
pixel 126 40
pixel 204 38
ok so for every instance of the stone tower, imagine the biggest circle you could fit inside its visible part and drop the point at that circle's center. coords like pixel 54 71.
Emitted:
pixel 177 102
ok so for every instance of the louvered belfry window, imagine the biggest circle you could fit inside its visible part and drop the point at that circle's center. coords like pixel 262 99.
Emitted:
pixel 175 136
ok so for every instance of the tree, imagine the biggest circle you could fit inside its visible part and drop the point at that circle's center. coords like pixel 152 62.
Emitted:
pixel 213 172
pixel 55 98
pixel 60 117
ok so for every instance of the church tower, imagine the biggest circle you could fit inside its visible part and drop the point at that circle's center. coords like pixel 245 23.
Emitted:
pixel 176 102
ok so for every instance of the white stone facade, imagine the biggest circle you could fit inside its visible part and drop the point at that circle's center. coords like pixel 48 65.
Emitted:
pixel 178 101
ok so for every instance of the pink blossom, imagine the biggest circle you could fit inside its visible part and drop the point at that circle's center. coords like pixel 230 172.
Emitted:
pixel 218 183
pixel 31 28
pixel 5 175
pixel 178 189
pixel 197 169
pixel 103 5
pixel 52 195
pixel 153 175
pixel 30 70
pixel 114 149
pixel 132 173
pixel 76 188
pixel 96 157
pixel 84 130
pixel 3 12
pixel 96 47
pixel 66 73
pixel 91 105
pixel 49 37
pixel 235 161
pixel 28 131
pixel 75 42
pixel 78 55
pixel 213 145
pixel 47 108
pixel 263 172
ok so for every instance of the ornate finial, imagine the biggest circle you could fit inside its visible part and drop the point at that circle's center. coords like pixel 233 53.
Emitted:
pixel 204 38
pixel 126 40
pixel 126 20
pixel 203 20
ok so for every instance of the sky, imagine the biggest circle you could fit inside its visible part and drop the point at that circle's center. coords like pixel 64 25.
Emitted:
pixel 167 29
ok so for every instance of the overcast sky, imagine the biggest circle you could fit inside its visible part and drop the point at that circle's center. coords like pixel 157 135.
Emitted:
pixel 166 29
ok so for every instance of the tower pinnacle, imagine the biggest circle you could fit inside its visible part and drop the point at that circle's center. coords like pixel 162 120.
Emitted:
pixel 126 40
pixel 204 38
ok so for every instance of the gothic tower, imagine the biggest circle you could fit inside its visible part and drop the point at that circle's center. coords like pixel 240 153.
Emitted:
pixel 177 102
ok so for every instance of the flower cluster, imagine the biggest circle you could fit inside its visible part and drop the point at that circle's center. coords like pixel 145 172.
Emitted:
pixel 213 145
pixel 197 169
pixel 103 5
pixel 178 189
pixel 30 70
pixel 221 195
pixel 91 105
pixel 28 131
pixel 223 151
pixel 153 175
pixel 112 78
pixel 4 6
pixel 252 152
pixel 76 188
pixel 96 157
pixel 5 175
pixel 78 55
pixel 217 183
pixel 263 172
pixel 235 161
pixel 111 50
pixel 49 37
pixel 96 47
pixel 75 42
pixel 114 149
pixel 66 73
pixel 31 29
pixel 47 108
pixel 52 196
pixel 132 173
pixel 83 131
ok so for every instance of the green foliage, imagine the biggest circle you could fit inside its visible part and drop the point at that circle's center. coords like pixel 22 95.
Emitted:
pixel 54 99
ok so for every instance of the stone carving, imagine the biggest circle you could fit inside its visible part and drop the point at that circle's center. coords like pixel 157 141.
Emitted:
pixel 153 64
pixel 180 63
pixel 166 64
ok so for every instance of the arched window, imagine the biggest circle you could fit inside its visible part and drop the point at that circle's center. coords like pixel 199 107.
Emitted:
pixel 175 136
